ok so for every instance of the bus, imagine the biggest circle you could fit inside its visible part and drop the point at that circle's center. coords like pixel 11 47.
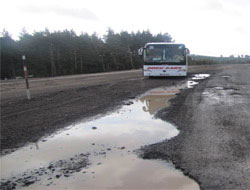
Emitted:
pixel 165 59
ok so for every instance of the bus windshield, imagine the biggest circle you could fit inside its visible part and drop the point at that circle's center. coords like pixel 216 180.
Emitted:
pixel 164 53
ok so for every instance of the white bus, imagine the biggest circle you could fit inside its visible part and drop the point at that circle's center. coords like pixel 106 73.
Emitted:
pixel 165 59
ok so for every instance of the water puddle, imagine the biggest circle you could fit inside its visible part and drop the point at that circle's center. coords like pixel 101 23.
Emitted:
pixel 101 153
pixel 200 76
pixel 218 88
pixel 158 98
pixel 219 95
pixel 191 84
pixel 225 76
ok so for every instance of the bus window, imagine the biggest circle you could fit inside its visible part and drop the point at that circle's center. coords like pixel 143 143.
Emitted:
pixel 164 54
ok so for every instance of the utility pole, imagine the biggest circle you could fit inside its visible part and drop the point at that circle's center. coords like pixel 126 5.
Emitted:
pixel 26 77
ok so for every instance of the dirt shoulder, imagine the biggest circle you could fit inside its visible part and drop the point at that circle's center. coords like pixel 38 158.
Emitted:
pixel 61 101
pixel 214 123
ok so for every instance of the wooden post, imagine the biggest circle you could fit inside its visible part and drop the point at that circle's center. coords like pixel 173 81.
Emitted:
pixel 26 77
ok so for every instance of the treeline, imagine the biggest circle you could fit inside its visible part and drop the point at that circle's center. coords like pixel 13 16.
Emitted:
pixel 65 53
pixel 209 60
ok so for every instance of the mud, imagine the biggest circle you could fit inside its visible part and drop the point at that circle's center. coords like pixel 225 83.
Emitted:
pixel 54 170
pixel 110 143
pixel 213 144
pixel 68 100
pixel 24 121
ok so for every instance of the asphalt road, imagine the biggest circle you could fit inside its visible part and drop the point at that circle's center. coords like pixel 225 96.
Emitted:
pixel 213 146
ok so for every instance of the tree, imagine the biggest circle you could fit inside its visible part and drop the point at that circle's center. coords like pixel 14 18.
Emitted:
pixel 9 55
pixel 65 52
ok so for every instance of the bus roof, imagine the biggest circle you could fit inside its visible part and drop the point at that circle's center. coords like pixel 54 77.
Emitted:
pixel 162 43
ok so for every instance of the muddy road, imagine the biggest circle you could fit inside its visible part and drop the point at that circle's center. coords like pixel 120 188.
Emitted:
pixel 57 102
pixel 212 145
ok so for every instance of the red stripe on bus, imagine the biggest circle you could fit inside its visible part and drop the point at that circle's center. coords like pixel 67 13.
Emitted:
pixel 155 67
pixel 163 68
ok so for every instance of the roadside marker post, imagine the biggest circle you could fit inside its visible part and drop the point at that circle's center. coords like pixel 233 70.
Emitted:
pixel 26 77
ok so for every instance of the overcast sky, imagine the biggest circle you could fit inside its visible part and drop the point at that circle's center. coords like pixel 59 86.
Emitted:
pixel 207 27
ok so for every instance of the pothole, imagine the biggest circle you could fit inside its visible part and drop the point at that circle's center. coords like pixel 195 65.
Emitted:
pixel 225 76
pixel 218 88
pixel 107 147
pixel 200 76
pixel 191 84
pixel 221 95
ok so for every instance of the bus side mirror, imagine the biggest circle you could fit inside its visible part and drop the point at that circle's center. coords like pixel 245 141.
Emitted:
pixel 187 51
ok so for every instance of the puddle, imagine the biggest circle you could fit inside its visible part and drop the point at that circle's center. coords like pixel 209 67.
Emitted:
pixel 221 96
pixel 158 98
pixel 218 88
pixel 100 153
pixel 191 84
pixel 200 76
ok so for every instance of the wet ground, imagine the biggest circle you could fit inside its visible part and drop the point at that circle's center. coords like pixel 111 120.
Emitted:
pixel 212 118
pixel 81 156
pixel 214 122
pixel 58 102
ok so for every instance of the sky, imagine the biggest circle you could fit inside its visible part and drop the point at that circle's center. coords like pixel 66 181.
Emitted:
pixel 206 27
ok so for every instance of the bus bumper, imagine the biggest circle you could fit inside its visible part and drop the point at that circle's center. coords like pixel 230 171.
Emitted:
pixel 160 70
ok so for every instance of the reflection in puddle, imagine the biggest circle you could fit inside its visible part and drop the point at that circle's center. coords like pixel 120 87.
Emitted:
pixel 200 76
pixel 158 98
pixel 218 88
pixel 190 84
pixel 109 143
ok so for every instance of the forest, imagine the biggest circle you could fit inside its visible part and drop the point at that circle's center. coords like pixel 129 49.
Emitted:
pixel 58 53
pixel 209 60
